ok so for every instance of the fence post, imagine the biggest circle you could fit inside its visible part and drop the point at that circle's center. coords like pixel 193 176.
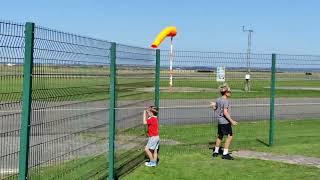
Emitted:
pixel 26 101
pixel 112 106
pixel 157 81
pixel 272 95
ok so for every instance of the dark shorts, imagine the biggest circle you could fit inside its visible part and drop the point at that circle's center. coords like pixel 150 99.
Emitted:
pixel 224 129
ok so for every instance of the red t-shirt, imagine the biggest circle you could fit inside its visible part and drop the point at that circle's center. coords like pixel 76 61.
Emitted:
pixel 152 123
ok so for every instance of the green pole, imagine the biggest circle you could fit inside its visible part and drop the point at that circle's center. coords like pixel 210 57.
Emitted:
pixel 272 95
pixel 157 80
pixel 26 101
pixel 112 106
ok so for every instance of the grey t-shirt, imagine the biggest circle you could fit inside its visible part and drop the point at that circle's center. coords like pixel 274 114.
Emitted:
pixel 221 103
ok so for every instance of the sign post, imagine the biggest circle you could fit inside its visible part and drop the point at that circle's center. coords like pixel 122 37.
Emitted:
pixel 221 74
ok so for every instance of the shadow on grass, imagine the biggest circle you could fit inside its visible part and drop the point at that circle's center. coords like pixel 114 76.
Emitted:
pixel 211 144
pixel 262 142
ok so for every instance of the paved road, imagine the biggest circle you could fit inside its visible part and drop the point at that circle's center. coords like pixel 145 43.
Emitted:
pixel 63 131
pixel 195 111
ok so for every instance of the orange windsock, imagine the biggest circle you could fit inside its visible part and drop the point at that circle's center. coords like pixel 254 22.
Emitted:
pixel 169 31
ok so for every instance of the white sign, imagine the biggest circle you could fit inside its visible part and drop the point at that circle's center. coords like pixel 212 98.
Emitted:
pixel 221 74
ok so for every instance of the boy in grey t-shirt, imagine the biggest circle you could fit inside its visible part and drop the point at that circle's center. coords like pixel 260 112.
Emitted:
pixel 222 108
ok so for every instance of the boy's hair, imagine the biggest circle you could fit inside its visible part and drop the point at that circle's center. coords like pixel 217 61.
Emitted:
pixel 154 110
pixel 224 89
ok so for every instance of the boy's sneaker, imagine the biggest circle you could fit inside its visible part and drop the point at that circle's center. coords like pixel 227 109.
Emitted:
pixel 150 164
pixel 214 154
pixel 227 157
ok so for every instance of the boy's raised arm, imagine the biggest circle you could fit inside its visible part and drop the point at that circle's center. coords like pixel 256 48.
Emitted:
pixel 144 117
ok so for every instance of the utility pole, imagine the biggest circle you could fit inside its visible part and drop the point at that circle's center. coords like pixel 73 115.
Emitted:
pixel 247 86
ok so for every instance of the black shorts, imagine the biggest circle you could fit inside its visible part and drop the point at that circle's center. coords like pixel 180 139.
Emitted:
pixel 224 129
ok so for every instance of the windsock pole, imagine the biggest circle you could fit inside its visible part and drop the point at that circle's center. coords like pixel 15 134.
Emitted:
pixel 169 31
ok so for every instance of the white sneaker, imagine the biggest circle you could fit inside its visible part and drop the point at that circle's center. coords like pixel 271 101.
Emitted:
pixel 150 164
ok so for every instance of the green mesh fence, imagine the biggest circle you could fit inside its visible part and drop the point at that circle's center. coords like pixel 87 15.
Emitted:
pixel 297 98
pixel 134 91
pixel 195 85
pixel 68 126
pixel 298 87
pixel 11 60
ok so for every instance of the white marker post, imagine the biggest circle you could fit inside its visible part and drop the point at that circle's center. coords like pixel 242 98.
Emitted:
pixel 171 63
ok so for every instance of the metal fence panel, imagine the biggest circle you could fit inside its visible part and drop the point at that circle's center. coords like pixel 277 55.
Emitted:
pixel 69 123
pixel 135 84
pixel 11 63
pixel 195 85
pixel 298 87
pixel 68 131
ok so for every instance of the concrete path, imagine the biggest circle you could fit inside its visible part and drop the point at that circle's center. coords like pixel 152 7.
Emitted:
pixel 290 159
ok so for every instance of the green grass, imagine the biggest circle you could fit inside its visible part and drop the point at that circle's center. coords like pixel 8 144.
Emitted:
pixel 89 88
pixel 69 87
pixel 191 158
pixel 296 137
pixel 74 89
pixel 89 167
pixel 195 164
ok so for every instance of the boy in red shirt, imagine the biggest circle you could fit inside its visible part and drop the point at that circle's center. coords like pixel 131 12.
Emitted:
pixel 151 120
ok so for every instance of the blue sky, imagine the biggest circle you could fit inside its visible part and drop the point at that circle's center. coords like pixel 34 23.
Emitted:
pixel 281 26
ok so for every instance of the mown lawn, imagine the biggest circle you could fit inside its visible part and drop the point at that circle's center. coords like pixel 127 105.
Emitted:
pixel 193 163
pixel 94 88
pixel 191 158
pixel 185 154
